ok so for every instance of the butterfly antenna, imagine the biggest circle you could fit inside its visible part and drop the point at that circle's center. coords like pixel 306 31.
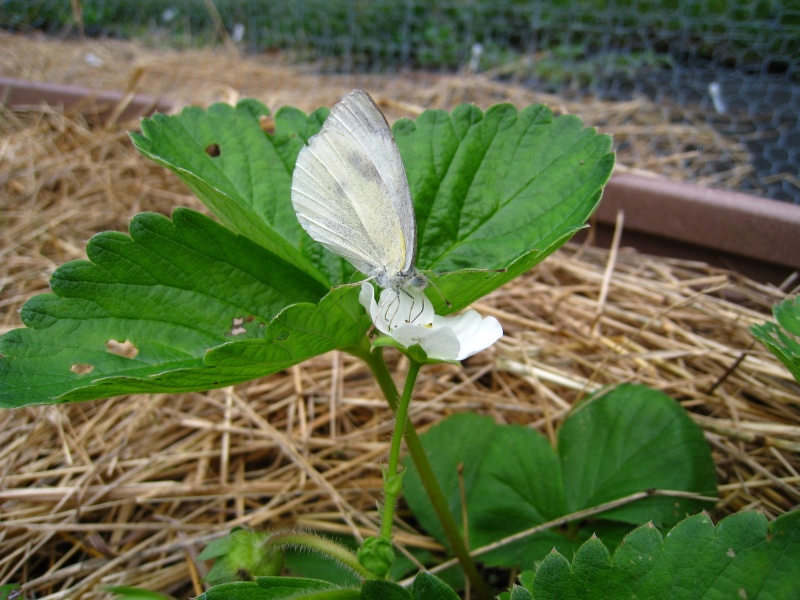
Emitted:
pixel 472 271
pixel 441 295
pixel 444 298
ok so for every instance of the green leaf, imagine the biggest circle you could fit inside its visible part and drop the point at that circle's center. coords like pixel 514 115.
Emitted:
pixel 783 337
pixel 611 446
pixel 496 190
pixel 430 587
pixel 462 439
pixel 247 182
pixel 520 593
pixel 240 555
pixel 496 489
pixel 10 591
pixel 742 557
pixel 414 352
pixel 199 306
pixel 376 589
pixel 279 588
pixel 500 190
pixel 630 439
pixel 132 593
pixel 195 302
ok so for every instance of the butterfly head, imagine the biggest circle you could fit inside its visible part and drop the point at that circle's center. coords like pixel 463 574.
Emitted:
pixel 410 278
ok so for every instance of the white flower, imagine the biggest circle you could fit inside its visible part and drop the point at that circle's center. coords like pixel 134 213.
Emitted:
pixel 408 317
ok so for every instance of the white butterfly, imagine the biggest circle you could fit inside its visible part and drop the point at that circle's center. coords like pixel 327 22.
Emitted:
pixel 351 194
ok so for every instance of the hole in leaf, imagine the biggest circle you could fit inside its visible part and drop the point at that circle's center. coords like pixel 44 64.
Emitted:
pixel 124 349
pixel 238 326
pixel 267 124
pixel 213 150
pixel 81 369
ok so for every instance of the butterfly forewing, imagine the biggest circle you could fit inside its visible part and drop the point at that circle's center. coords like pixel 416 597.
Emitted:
pixel 323 198
pixel 350 190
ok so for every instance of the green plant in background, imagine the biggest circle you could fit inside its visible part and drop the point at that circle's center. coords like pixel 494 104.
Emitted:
pixel 189 303
pixel 441 35
pixel 572 65
pixel 742 557
pixel 10 591
pixel 625 441
pixel 783 337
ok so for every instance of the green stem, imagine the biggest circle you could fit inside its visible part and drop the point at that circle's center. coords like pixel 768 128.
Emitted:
pixel 297 539
pixel 381 372
pixel 392 483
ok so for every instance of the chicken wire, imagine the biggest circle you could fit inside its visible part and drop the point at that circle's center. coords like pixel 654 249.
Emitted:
pixel 733 65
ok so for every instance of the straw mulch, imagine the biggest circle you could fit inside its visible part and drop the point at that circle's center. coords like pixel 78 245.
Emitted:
pixel 128 490
pixel 678 142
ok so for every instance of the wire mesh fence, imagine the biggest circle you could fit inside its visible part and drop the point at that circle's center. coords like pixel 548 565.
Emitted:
pixel 731 67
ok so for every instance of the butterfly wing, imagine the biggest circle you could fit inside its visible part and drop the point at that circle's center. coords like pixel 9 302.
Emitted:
pixel 350 191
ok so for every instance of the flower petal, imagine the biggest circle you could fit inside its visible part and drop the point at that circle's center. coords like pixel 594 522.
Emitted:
pixel 408 317
pixel 367 299
pixel 405 307
pixel 481 335
pixel 441 344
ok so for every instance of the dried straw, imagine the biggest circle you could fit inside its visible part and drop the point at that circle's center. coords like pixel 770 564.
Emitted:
pixel 128 490
pixel 678 142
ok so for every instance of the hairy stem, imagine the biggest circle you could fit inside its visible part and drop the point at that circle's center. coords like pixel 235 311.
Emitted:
pixel 392 484
pixel 381 372
pixel 321 545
